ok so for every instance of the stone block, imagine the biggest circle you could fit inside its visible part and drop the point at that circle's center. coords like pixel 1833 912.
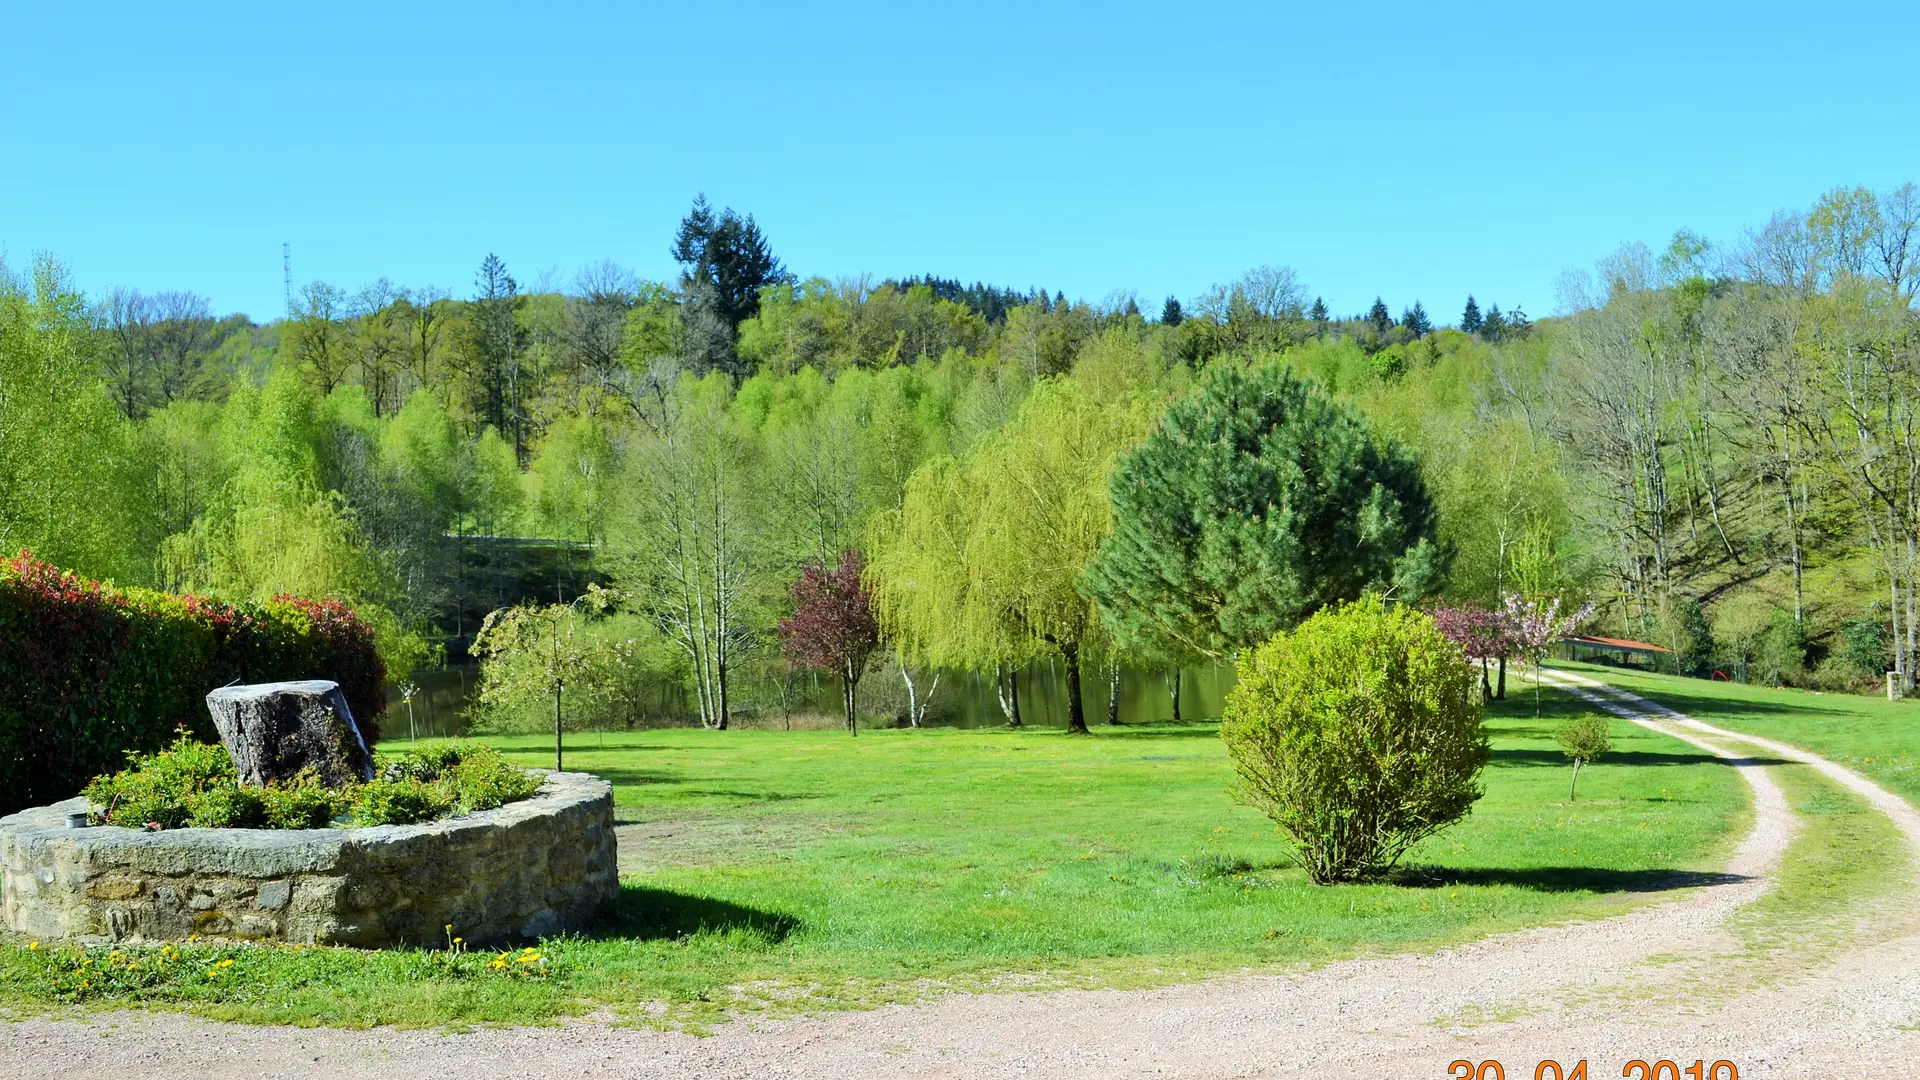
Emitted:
pixel 527 869
pixel 275 730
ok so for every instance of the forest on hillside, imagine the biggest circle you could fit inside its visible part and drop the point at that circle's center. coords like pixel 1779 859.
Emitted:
pixel 1718 443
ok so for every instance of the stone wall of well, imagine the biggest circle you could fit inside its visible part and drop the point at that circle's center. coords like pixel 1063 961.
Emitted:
pixel 527 869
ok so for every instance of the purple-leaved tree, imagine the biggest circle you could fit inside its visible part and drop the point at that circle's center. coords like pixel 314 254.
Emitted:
pixel 833 627
pixel 1483 634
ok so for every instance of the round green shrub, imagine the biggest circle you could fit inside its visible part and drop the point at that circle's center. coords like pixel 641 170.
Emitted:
pixel 1359 733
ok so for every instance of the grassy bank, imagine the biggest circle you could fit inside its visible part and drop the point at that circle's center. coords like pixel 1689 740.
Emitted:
pixel 809 869
pixel 1869 734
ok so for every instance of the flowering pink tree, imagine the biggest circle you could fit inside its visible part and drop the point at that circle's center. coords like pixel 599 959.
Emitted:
pixel 1482 634
pixel 833 627
pixel 1535 626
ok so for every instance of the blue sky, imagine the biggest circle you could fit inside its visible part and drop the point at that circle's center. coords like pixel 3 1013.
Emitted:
pixel 1410 151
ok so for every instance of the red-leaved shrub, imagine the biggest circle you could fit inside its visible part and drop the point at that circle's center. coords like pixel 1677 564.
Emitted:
pixel 89 672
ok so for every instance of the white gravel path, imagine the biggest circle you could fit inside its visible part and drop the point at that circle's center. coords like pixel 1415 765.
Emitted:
pixel 1663 981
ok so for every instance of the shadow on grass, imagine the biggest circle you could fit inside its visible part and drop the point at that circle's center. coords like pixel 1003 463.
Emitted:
pixel 646 914
pixel 748 796
pixel 634 777
pixel 1622 757
pixel 1699 705
pixel 1563 878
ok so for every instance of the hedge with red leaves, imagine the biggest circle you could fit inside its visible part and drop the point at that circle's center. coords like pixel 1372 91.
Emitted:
pixel 89 672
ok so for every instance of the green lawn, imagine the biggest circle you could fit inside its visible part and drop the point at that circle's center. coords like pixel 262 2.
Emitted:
pixel 810 869
pixel 1869 734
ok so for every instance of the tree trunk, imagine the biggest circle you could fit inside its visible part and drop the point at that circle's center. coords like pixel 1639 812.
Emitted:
pixel 1571 788
pixel 1113 693
pixel 1173 683
pixel 1501 693
pixel 1486 686
pixel 556 728
pixel 849 696
pixel 1076 709
pixel 913 699
pixel 720 705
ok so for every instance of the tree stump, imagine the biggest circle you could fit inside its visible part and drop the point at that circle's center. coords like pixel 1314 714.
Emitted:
pixel 275 730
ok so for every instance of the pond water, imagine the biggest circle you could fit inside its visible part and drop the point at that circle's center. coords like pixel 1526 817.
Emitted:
pixel 962 699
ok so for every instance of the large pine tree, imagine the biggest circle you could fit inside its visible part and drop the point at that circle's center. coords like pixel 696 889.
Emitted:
pixel 1416 321
pixel 1470 320
pixel 1170 312
pixel 1256 501
pixel 727 257
pixel 1494 326
pixel 1378 318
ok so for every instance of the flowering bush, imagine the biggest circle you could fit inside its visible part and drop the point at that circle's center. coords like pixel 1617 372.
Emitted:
pixel 90 672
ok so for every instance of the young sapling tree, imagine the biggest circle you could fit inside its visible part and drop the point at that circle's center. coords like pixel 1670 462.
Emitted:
pixel 1584 739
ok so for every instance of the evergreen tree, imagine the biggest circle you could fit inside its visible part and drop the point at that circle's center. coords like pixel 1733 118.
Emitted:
pixel 727 255
pixel 1170 312
pixel 1416 321
pixel 1256 501
pixel 1060 302
pixel 1133 306
pixel 1470 320
pixel 1378 319
pixel 1319 311
pixel 1494 326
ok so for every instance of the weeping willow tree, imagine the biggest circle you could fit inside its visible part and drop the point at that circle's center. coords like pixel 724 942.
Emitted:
pixel 980 568
pixel 275 527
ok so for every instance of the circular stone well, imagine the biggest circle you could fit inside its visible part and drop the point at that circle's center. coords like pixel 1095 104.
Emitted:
pixel 530 868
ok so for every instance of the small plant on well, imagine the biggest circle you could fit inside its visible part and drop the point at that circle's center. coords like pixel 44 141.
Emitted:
pixel 1584 738
pixel 1359 733
pixel 193 785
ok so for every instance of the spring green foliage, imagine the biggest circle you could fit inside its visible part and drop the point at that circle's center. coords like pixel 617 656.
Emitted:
pixel 1583 739
pixel 194 785
pixel 70 480
pixel 1359 734
pixel 1256 501
pixel 1718 426
pixel 982 565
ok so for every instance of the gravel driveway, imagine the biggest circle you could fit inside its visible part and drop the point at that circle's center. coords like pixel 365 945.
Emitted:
pixel 1667 981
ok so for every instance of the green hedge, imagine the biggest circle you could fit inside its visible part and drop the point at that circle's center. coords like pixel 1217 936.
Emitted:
pixel 90 672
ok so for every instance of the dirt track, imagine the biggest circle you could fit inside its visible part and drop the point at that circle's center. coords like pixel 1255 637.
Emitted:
pixel 1666 981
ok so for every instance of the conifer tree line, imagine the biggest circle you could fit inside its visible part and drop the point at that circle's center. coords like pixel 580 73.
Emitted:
pixel 1713 441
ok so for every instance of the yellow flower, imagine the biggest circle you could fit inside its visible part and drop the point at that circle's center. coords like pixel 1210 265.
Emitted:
pixel 33 946
pixel 459 940
pixel 226 963
pixel 449 928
